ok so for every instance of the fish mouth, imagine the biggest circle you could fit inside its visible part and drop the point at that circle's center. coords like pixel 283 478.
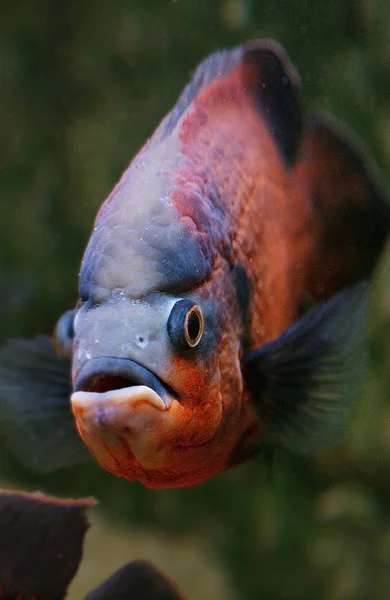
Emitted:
pixel 120 378
pixel 121 410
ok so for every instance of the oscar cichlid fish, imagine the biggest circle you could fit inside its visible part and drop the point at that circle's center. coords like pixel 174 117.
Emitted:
pixel 41 547
pixel 189 347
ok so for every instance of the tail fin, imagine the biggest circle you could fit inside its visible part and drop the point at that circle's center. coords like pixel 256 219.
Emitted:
pixel 350 206
pixel 41 541
pixel 139 580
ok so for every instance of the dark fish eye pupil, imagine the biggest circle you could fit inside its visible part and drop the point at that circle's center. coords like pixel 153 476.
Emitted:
pixel 194 325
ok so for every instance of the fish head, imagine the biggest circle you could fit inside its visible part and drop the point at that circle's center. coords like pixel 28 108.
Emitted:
pixel 157 384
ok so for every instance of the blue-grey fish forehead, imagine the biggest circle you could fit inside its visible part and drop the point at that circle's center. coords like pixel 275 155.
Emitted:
pixel 141 243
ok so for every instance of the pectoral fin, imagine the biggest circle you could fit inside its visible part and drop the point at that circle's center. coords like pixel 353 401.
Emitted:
pixel 304 382
pixel 35 415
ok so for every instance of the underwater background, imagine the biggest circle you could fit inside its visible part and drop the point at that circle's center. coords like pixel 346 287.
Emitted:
pixel 82 86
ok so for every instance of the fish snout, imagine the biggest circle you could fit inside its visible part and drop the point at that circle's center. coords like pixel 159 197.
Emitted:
pixel 118 405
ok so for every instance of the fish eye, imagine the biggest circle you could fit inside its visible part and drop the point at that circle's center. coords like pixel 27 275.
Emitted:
pixel 63 334
pixel 185 324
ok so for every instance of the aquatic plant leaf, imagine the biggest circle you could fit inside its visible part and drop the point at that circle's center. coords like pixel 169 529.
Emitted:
pixel 41 543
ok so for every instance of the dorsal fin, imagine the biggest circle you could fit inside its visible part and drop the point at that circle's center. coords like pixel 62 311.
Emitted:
pixel 272 78
pixel 215 65
pixel 266 72
pixel 350 203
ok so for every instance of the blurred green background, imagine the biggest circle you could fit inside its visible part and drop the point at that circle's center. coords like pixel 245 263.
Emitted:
pixel 82 85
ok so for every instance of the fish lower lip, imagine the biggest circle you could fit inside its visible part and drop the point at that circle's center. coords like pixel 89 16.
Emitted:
pixel 137 394
pixel 106 374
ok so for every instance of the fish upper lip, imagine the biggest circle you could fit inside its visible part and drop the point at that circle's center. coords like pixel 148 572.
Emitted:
pixel 122 367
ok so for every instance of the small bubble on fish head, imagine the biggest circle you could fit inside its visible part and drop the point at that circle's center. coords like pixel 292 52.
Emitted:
pixel 141 341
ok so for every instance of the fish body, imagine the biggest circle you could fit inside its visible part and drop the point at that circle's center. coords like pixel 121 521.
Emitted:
pixel 187 344
pixel 188 220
